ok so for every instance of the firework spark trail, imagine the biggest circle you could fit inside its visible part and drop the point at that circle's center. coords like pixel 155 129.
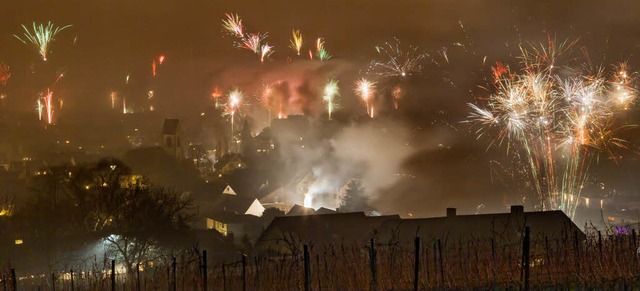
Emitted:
pixel 48 98
pixel 556 124
pixel 253 41
pixel 296 41
pixel 365 89
pixel 215 96
pixel 41 36
pixel 5 73
pixel 321 53
pixel 331 92
pixel 232 107
pixel 397 95
pixel 233 25
pixel 113 100
pixel 396 62
pixel 265 51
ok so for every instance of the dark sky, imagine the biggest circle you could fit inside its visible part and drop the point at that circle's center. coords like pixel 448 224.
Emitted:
pixel 119 37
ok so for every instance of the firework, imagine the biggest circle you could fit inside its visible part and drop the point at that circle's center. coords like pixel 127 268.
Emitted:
pixel 321 53
pixel 331 92
pixel 124 106
pixel 233 25
pixel 161 59
pixel 396 62
pixel 48 98
pixel 265 51
pixel 232 107
pixel 252 42
pixel 153 68
pixel 365 89
pixel 126 80
pixel 215 96
pixel 41 36
pixel 555 124
pixel 39 108
pixel 397 94
pixel 296 41
pixel 113 97
pixel 5 73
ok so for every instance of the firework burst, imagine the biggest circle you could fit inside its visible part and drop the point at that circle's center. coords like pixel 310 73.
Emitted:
pixel 296 41
pixel 321 53
pixel 331 93
pixel 265 51
pixel 5 73
pixel 233 25
pixel 252 42
pixel 396 62
pixel 232 107
pixel 41 36
pixel 366 89
pixel 554 124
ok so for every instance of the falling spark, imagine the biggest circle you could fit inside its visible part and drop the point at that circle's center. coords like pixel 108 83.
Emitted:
pixel 331 92
pixel 41 36
pixel 161 59
pixel 127 79
pixel 397 95
pixel 153 68
pixel 296 41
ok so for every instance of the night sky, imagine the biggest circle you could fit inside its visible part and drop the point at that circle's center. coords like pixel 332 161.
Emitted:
pixel 120 37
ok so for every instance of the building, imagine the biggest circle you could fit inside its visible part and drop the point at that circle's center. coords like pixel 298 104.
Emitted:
pixel 287 234
pixel 172 138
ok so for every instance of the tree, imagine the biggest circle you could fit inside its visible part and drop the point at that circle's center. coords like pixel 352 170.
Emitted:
pixel 99 202
pixel 354 198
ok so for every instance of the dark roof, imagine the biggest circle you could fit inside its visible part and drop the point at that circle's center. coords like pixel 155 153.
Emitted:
pixel 170 126
pixel 233 203
pixel 297 210
pixel 503 227
pixel 231 218
pixel 323 210
pixel 336 229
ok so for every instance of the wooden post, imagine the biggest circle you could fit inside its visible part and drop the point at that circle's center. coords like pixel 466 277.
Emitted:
pixel 53 282
pixel 525 257
pixel 204 270
pixel 224 277
pixel 307 269
pixel 416 264
pixel 113 275
pixel 244 272
pixel 4 283
pixel 14 283
pixel 372 265
pixel 441 264
pixel 174 279
pixel 138 276
pixel 72 285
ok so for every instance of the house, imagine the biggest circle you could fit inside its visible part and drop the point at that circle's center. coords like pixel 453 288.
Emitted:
pixel 236 227
pixel 172 138
pixel 287 234
pixel 502 228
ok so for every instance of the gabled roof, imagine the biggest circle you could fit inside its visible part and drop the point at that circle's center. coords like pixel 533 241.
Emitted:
pixel 298 210
pixel 233 203
pixel 170 126
pixel 354 227
pixel 503 227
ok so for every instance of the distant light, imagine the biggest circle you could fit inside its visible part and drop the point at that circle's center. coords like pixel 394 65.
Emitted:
pixel 66 141
pixel 239 165
pixel 87 187
pixel 202 114
pixel 19 242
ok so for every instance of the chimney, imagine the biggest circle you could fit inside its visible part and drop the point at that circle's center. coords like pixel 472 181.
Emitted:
pixel 517 209
pixel 451 212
